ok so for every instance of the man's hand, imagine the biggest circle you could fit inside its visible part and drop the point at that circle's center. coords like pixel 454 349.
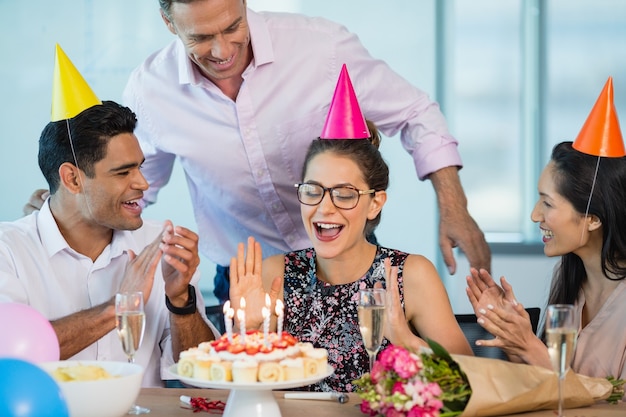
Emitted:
pixel 180 261
pixel 456 226
pixel 35 201
pixel 139 273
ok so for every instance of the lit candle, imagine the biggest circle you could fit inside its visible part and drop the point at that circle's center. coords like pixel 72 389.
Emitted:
pixel 228 320
pixel 266 324
pixel 280 313
pixel 241 316
pixel 268 301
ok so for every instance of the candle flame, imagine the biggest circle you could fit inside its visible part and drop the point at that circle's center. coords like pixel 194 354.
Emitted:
pixel 265 312
pixel 279 307
pixel 268 300
pixel 230 313
pixel 226 306
pixel 242 303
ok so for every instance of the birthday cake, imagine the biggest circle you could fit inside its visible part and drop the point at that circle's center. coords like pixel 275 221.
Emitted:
pixel 258 358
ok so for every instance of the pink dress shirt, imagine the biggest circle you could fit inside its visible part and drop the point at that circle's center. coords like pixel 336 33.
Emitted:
pixel 241 159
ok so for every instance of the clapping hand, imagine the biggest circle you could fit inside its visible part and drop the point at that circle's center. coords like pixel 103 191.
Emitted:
pixel 500 314
pixel 140 270
pixel 179 262
pixel 177 249
pixel 482 291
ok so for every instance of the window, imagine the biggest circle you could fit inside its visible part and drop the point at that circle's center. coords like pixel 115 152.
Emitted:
pixel 519 76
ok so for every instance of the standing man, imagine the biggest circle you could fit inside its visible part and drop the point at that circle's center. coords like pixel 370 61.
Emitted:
pixel 238 97
pixel 89 242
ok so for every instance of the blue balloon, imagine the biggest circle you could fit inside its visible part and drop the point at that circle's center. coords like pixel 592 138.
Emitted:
pixel 26 390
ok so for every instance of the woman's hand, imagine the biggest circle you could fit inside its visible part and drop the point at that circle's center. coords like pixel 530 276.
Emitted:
pixel 513 333
pixel 397 330
pixel 246 282
pixel 483 291
pixel 500 314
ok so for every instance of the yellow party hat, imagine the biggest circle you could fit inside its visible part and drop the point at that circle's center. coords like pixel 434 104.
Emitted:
pixel 70 92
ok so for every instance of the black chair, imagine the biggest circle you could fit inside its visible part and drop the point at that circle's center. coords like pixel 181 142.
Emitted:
pixel 474 331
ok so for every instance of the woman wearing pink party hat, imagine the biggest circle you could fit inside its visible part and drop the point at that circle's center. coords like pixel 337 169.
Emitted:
pixel 342 193
pixel 581 212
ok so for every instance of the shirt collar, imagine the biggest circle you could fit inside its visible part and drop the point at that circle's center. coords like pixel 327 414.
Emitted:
pixel 262 48
pixel 54 242
pixel 262 51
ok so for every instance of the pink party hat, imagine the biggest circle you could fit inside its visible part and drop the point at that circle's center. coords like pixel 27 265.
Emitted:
pixel 601 135
pixel 344 119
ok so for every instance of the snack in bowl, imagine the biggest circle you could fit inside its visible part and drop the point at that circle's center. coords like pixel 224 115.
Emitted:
pixel 89 397
pixel 80 372
pixel 256 360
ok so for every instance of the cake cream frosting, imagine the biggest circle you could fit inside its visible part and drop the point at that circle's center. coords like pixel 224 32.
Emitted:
pixel 255 359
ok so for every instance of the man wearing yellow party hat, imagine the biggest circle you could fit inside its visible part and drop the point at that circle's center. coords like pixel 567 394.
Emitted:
pixel 582 216
pixel 89 242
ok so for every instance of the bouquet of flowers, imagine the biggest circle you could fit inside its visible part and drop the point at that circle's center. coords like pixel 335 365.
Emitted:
pixel 405 384
pixel 434 383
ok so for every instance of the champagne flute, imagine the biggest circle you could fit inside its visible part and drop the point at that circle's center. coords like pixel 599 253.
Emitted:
pixel 371 310
pixel 561 340
pixel 130 320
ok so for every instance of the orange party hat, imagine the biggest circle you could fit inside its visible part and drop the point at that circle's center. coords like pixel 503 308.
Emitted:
pixel 344 119
pixel 70 92
pixel 601 135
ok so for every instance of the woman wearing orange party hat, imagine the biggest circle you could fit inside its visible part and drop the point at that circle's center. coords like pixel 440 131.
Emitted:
pixel 582 216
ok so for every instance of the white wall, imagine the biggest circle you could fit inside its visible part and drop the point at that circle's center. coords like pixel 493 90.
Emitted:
pixel 106 39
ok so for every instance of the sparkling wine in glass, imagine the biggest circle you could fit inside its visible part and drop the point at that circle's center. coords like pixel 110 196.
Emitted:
pixel 561 340
pixel 371 310
pixel 130 320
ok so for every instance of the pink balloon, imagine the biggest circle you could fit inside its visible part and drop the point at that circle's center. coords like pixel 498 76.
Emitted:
pixel 26 334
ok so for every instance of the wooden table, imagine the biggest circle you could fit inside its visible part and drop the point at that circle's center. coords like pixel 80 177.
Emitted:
pixel 165 402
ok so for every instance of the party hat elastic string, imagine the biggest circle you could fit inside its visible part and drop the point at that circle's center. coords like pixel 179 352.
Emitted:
pixel 71 95
pixel 593 185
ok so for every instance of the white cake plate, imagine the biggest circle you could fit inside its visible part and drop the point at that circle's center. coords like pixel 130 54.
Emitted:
pixel 253 399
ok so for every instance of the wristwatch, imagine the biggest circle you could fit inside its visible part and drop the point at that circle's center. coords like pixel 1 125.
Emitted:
pixel 189 308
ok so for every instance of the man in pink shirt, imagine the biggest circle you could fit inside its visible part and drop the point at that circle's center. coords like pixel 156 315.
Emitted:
pixel 239 95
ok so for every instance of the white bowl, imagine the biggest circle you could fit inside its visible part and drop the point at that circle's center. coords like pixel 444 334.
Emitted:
pixel 101 398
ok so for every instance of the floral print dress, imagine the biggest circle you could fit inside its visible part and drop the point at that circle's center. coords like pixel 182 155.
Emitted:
pixel 326 315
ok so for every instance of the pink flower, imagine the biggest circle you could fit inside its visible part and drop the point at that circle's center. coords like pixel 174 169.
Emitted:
pixel 405 366
pixel 392 412
pixel 379 372
pixel 366 409
pixel 398 387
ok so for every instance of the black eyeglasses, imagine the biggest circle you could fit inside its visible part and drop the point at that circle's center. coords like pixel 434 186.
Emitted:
pixel 344 197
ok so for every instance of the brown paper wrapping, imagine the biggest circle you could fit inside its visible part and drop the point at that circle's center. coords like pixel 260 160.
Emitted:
pixel 500 387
